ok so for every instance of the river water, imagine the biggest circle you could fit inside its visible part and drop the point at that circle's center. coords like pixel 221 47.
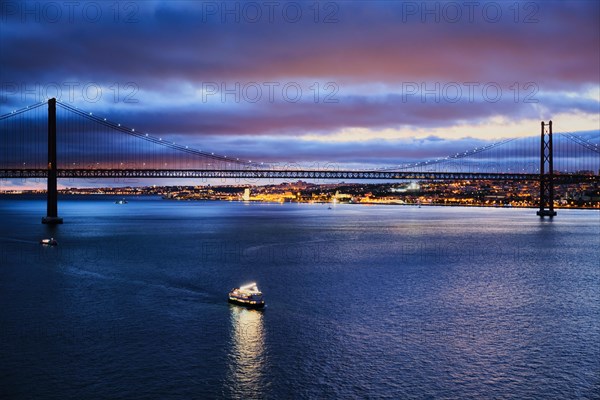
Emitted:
pixel 363 301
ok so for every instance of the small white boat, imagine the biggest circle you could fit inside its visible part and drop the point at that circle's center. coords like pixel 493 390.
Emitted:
pixel 248 296
pixel 123 201
pixel 49 242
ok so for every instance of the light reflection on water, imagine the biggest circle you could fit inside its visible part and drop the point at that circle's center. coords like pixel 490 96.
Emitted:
pixel 247 356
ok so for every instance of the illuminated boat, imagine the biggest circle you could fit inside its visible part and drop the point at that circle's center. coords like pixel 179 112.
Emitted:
pixel 121 201
pixel 248 296
pixel 49 242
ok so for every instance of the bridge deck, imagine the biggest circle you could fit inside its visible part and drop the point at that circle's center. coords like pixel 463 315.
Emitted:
pixel 288 174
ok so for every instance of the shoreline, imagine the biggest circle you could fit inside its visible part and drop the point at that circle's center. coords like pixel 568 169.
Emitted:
pixel 365 203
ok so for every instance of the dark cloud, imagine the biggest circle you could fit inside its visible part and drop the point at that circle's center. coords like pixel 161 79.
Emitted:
pixel 370 50
pixel 377 41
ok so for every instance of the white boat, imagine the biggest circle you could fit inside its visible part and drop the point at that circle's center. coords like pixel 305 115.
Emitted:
pixel 123 201
pixel 248 296
pixel 49 242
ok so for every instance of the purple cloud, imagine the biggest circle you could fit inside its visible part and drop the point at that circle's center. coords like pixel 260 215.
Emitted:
pixel 373 51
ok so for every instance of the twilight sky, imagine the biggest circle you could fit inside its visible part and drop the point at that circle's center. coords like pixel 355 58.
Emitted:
pixel 346 81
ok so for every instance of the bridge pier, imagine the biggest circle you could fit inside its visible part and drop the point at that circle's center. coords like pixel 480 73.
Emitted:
pixel 546 178
pixel 52 196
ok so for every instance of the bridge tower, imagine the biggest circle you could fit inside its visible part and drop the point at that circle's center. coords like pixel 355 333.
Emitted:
pixel 546 173
pixel 52 196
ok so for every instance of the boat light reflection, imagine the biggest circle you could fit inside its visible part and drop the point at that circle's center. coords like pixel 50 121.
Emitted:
pixel 247 355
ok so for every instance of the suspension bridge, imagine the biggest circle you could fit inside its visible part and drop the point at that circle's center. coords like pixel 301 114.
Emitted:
pixel 52 140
